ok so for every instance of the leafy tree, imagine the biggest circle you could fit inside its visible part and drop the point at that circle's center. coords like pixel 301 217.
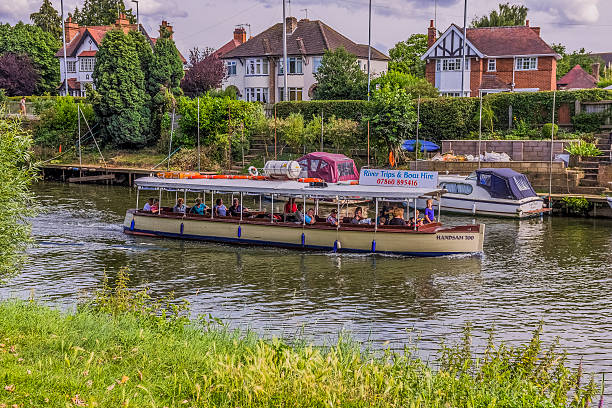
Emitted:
pixel 48 19
pixel 102 12
pixel 406 55
pixel 120 91
pixel 508 15
pixel 392 119
pixel 39 46
pixel 16 175
pixel 342 133
pixel 413 85
pixel 17 75
pixel 340 77
pixel 206 73
pixel 570 60
pixel 165 74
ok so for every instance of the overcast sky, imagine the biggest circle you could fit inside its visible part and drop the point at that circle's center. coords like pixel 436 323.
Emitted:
pixel 210 23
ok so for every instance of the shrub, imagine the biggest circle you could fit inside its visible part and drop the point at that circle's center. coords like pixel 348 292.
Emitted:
pixel 354 110
pixel 448 118
pixel 342 134
pixel 583 149
pixel 548 129
pixel 290 131
pixel 576 205
pixel 59 122
pixel 588 122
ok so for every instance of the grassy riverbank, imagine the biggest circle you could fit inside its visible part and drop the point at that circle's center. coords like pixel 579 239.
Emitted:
pixel 125 350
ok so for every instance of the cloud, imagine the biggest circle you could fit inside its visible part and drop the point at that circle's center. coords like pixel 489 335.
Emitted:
pixel 13 9
pixel 159 8
pixel 569 11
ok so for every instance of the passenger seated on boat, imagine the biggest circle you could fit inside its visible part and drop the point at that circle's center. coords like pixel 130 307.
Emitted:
pixel 290 206
pixel 309 217
pixel 179 207
pixel 220 209
pixel 155 206
pixel 382 220
pixel 429 213
pixel 198 208
pixel 297 216
pixel 398 217
pixel 332 218
pixel 358 217
pixel 419 221
pixel 236 208
pixel 148 205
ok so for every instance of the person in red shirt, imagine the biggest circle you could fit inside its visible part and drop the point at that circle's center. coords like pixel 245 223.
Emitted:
pixel 290 206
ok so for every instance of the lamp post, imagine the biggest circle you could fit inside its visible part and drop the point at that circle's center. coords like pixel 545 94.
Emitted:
pixel 137 14
pixel 369 44
pixel 285 93
pixel 64 45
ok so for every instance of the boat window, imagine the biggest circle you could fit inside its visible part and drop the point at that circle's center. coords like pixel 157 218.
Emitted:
pixel 345 169
pixel 314 164
pixel 485 180
pixel 323 165
pixel 303 164
pixel 522 183
pixel 471 176
pixel 457 188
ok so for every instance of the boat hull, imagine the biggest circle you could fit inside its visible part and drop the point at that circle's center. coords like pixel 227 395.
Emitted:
pixel 437 241
pixel 518 209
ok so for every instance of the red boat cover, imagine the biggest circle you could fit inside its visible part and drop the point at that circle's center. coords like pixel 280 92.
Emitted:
pixel 329 167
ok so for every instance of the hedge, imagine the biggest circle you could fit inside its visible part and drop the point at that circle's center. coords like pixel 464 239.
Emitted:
pixel 454 118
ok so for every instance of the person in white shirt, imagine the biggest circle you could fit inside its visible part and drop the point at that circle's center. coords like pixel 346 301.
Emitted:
pixel 148 205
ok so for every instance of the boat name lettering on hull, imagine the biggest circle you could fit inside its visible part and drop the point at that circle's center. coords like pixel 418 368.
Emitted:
pixel 455 237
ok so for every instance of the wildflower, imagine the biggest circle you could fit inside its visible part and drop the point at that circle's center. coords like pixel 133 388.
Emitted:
pixel 10 388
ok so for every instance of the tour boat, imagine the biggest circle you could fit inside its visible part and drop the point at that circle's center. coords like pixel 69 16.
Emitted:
pixel 266 229
pixel 499 192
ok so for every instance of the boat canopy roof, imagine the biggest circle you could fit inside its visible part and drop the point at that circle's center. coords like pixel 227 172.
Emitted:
pixel 505 183
pixel 285 187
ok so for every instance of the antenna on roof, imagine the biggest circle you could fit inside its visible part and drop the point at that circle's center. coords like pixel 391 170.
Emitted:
pixel 245 25
pixel 306 11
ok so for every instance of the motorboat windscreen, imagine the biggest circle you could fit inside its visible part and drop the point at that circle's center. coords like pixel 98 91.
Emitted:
pixel 505 183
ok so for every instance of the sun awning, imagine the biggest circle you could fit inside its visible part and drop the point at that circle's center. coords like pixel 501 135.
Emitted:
pixel 286 187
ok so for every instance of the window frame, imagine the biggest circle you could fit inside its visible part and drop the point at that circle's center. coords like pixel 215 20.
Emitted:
pixel 294 92
pixel 294 61
pixel 257 94
pixel 231 66
pixel 257 67
pixel 526 63
pixel 445 64
pixel 491 61
pixel 84 63
pixel 316 63
pixel 72 64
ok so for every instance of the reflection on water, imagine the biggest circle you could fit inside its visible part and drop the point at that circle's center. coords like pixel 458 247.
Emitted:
pixel 557 270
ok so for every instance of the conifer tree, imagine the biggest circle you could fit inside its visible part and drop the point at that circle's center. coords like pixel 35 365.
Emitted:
pixel 101 12
pixel 120 99
pixel 48 19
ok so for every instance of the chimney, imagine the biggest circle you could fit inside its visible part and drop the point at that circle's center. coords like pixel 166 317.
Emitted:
pixel 527 23
pixel 536 30
pixel 71 29
pixel 431 34
pixel 122 21
pixel 167 28
pixel 291 24
pixel 595 71
pixel 240 35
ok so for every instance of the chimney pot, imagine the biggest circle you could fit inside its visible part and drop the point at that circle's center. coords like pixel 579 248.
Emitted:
pixel 431 34
pixel 240 35
pixel 291 24
pixel 527 23
pixel 595 71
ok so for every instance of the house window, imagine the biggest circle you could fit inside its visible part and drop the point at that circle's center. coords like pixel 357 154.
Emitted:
pixel 492 65
pixel 451 64
pixel 295 66
pixel 450 93
pixel 257 66
pixel 71 66
pixel 86 64
pixel 257 94
pixel 316 63
pixel 295 94
pixel 231 67
pixel 526 63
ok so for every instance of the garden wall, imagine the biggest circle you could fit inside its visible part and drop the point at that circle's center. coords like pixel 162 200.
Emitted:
pixel 604 177
pixel 518 150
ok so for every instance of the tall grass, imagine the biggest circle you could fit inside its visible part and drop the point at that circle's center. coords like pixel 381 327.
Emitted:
pixel 125 350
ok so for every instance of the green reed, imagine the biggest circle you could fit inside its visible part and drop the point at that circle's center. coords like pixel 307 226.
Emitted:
pixel 125 350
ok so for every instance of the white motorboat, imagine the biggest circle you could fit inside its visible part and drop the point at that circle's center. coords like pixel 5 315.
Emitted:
pixel 499 192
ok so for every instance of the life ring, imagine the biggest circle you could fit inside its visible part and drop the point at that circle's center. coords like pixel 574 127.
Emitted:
pixel 253 171
pixel 391 159
pixel 310 180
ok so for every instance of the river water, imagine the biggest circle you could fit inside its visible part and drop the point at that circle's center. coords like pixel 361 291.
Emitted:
pixel 558 271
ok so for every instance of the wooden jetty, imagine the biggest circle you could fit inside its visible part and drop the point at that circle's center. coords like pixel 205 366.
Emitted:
pixel 93 174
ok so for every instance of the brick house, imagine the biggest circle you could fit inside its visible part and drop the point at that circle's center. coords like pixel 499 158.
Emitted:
pixel 255 69
pixel 240 37
pixel 82 44
pixel 498 59
pixel 578 78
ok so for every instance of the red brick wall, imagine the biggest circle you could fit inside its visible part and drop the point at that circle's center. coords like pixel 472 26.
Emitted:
pixel 543 78
pixel 476 68
pixel 430 72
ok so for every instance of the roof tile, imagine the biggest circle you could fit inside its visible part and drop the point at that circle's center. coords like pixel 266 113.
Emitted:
pixel 576 78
